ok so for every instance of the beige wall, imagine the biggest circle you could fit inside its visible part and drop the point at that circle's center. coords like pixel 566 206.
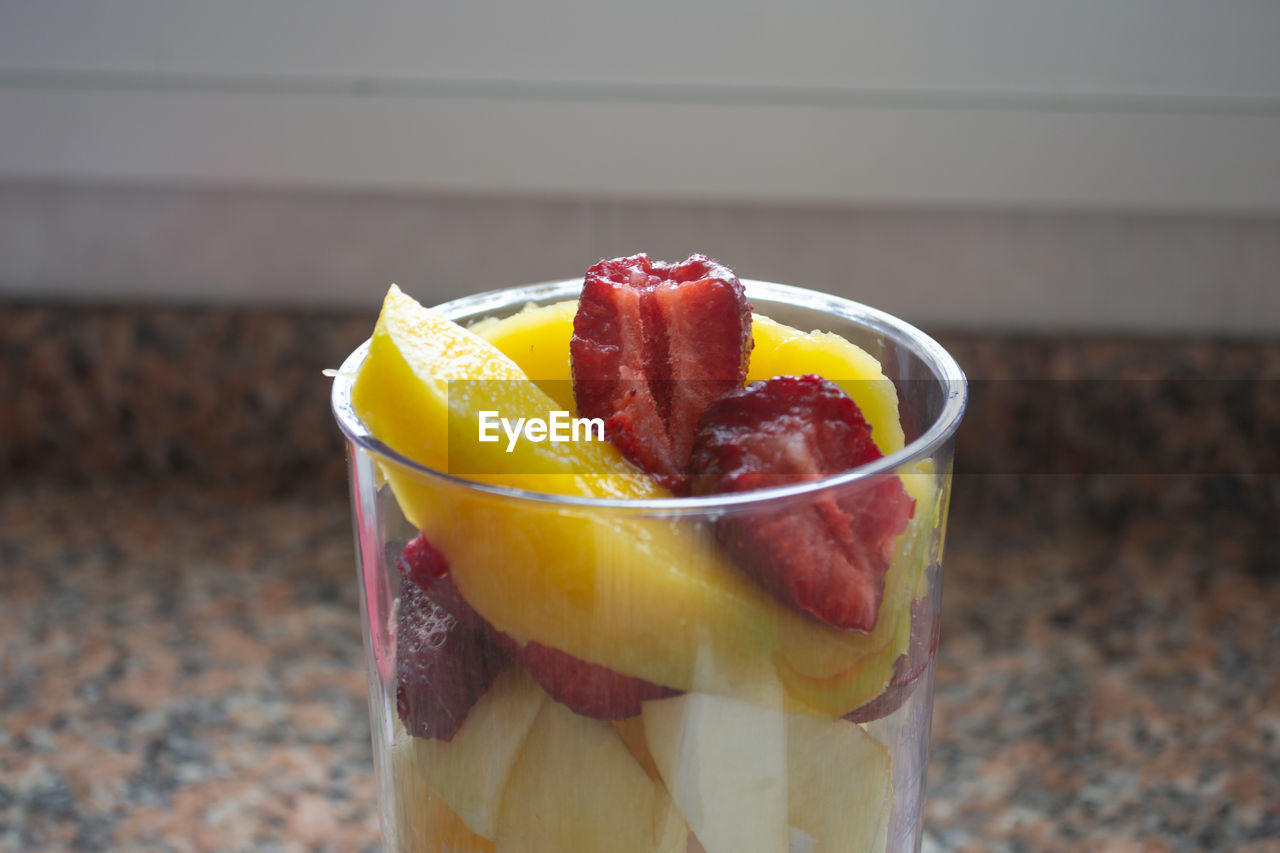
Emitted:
pixel 996 163
pixel 958 268
pixel 1088 104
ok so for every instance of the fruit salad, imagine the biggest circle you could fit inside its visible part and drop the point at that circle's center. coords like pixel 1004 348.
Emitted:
pixel 697 625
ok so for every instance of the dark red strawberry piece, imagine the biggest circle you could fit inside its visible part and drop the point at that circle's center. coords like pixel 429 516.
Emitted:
pixel 446 657
pixel 586 688
pixel 653 343
pixel 426 565
pixel 827 556
pixel 436 690
pixel 907 669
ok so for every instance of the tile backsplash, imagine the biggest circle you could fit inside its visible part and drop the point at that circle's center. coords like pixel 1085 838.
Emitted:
pixel 236 394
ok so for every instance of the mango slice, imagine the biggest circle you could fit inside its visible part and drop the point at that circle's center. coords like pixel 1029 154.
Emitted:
pixel 780 350
pixel 642 594
pixel 537 337
pixel 537 340
pixel 533 336
pixel 426 377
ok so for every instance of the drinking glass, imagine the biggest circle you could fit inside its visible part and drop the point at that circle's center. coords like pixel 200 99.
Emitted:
pixel 709 716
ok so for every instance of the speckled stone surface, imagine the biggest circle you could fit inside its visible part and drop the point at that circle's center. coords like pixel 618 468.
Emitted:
pixel 129 391
pixel 1107 677
pixel 182 670
pixel 180 653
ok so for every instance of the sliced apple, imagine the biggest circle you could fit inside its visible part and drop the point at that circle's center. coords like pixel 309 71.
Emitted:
pixel 840 785
pixel 750 778
pixel 802 842
pixel 422 821
pixel 725 763
pixel 631 731
pixel 575 787
pixel 470 772
pixel 430 826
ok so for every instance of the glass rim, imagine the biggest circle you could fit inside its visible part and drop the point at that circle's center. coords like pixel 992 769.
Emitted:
pixel 946 371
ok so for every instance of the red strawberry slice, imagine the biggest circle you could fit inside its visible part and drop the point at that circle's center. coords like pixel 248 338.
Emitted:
pixel 427 567
pixel 653 343
pixel 445 656
pixel 586 688
pixel 435 688
pixel 828 555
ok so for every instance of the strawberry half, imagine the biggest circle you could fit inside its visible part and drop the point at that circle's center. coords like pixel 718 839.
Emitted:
pixel 653 344
pixel 586 688
pixel 427 567
pixel 445 656
pixel 442 673
pixel 826 557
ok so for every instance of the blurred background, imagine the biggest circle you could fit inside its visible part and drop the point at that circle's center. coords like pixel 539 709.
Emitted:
pixel 201 205
pixel 1086 166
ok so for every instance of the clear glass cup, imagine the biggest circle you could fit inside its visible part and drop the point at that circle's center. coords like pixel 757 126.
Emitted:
pixel 760 729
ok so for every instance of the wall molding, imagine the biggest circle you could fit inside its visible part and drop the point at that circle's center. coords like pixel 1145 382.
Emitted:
pixel 772 145
pixel 1153 105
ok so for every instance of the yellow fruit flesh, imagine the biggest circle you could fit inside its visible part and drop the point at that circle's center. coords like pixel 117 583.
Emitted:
pixel 645 597
pixel 522 767
pixel 537 340
pixel 781 350
pixel 422 385
pixel 839 785
pixel 575 788
pixel 469 772
pixel 832 780
pixel 631 731
pixel 423 820
pixel 724 763
pixel 448 834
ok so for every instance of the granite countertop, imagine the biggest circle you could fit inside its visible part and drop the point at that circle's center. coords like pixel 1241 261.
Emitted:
pixel 180 654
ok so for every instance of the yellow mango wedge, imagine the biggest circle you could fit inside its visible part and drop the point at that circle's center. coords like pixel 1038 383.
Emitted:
pixel 645 596
pixel 537 340
pixel 781 350
pixel 425 377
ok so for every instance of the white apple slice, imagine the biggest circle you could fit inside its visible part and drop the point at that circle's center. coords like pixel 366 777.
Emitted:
pixel 802 842
pixel 470 771
pixel 840 785
pixel 575 787
pixel 725 763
